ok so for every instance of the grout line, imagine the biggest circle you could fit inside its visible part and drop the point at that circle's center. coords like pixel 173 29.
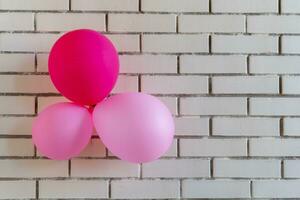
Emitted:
pixel 211 167
pixel 282 168
pixel 69 168
pixel 279 7
pixel 37 189
pixel 106 22
pixel 70 5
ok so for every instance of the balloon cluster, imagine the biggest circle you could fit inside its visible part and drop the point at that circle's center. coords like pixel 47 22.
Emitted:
pixel 84 66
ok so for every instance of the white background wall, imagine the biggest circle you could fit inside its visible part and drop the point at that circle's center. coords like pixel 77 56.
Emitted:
pixel 227 69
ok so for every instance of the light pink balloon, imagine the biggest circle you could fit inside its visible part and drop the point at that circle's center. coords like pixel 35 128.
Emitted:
pixel 135 127
pixel 62 130
pixel 84 66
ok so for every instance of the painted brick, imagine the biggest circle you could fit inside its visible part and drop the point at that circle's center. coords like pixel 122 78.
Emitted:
pixel 213 147
pixel 141 23
pixel 191 126
pixel 103 168
pixel 244 6
pixel 136 189
pixel 274 64
pixel 148 64
pixel 275 106
pixel 175 5
pixel 181 168
pixel 291 126
pixel 15 125
pixel 69 21
pixel 17 63
pixel 215 189
pixel 217 23
pixel 32 168
pixel 231 64
pixel 57 189
pixel 105 5
pixel 276 189
pixel 16 147
pixel 244 44
pixel 245 126
pixel 274 147
pixel 34 5
pixel 16 189
pixel 245 85
pixel 175 84
pixel 182 43
pixel 16 105
pixel 213 106
pixel 26 84
pixel 224 168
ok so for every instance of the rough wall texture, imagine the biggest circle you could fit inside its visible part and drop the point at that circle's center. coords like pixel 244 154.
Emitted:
pixel 227 69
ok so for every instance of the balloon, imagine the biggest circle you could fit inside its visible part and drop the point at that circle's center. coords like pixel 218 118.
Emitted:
pixel 83 66
pixel 135 127
pixel 62 130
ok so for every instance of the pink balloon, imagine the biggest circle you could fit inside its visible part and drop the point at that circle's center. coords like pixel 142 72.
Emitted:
pixel 62 130
pixel 84 66
pixel 135 127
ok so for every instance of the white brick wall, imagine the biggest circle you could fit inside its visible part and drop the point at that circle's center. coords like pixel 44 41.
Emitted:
pixel 228 70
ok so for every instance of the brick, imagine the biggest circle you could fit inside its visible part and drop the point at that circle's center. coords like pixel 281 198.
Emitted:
pixel 181 168
pixel 216 189
pixel 16 189
pixel 245 85
pixel 245 126
pixel 16 147
pixel 191 126
pixel 15 125
pixel 172 151
pixel 291 168
pixel 244 44
pixel 57 189
pixel 148 64
pixel 276 189
pixel 17 63
pixel 42 62
pixel 105 5
pixel 141 23
pixel 224 168
pixel 182 43
pixel 126 84
pixel 274 147
pixel 103 168
pixel 34 5
pixel 16 22
pixel 16 105
pixel 135 189
pixel 213 106
pixel 290 44
pixel 31 168
pixel 274 64
pixel 199 64
pixel 94 149
pixel 26 84
pixel 213 147
pixel 125 43
pixel 175 84
pixel 27 42
pixel 290 6
pixel 69 21
pixel 244 6
pixel 175 5
pixel 276 24
pixel 44 102
pixel 291 126
pixel 171 103
pixel 217 23
pixel 275 106
pixel 290 85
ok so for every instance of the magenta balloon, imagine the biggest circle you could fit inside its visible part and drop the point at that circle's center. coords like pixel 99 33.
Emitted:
pixel 84 66
pixel 62 130
pixel 135 127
